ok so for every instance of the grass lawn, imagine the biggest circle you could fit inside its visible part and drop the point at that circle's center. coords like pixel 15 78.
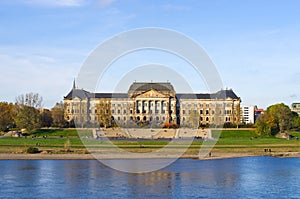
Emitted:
pixel 229 141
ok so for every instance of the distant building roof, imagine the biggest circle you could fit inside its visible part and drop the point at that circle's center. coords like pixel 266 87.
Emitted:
pixel 223 94
pixel 145 86
pixel 80 93
pixel 110 95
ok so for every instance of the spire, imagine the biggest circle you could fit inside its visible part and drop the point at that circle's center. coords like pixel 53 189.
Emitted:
pixel 74 85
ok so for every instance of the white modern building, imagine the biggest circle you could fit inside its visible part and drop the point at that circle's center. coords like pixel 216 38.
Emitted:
pixel 247 114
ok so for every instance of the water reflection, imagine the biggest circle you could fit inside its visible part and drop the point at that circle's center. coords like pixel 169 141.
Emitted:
pixel 255 177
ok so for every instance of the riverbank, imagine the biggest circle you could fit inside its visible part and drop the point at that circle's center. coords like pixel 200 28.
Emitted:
pixel 13 156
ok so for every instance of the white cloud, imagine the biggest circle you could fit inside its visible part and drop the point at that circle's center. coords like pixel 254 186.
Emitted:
pixel 57 3
pixel 171 7
pixel 105 3
pixel 28 71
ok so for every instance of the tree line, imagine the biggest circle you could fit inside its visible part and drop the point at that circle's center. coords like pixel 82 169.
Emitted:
pixel 278 118
pixel 27 113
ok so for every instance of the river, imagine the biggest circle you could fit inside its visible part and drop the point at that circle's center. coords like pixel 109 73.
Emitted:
pixel 250 177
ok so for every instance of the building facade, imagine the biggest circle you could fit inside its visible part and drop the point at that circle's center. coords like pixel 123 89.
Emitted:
pixel 148 103
pixel 247 114
pixel 296 108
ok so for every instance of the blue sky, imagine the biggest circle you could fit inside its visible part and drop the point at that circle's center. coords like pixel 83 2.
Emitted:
pixel 254 44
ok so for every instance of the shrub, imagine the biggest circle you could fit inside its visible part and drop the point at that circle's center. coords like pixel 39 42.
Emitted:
pixel 32 150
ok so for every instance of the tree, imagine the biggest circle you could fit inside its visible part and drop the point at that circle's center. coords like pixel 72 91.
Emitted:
pixel 277 118
pixel 104 113
pixel 28 118
pixel 263 125
pixel 57 113
pixel 281 115
pixel 46 118
pixel 7 113
pixel 29 99
pixel 194 119
pixel 296 120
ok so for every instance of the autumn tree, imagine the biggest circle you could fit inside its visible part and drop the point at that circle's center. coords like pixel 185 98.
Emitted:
pixel 28 118
pixel 282 116
pixel 46 118
pixel 277 118
pixel 264 125
pixel 104 113
pixel 296 121
pixel 30 99
pixel 28 115
pixel 194 119
pixel 7 114
pixel 57 113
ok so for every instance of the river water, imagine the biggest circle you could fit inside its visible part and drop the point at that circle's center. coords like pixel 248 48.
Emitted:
pixel 250 177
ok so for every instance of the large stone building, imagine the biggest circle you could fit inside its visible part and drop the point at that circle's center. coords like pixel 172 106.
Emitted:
pixel 153 104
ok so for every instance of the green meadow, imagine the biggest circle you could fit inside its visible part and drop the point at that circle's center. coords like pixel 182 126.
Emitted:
pixel 58 140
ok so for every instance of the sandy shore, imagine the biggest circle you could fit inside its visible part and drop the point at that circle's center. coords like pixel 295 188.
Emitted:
pixel 13 156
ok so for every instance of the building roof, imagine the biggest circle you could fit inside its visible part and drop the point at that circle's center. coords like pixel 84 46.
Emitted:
pixel 110 95
pixel 80 93
pixel 146 86
pixel 222 94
